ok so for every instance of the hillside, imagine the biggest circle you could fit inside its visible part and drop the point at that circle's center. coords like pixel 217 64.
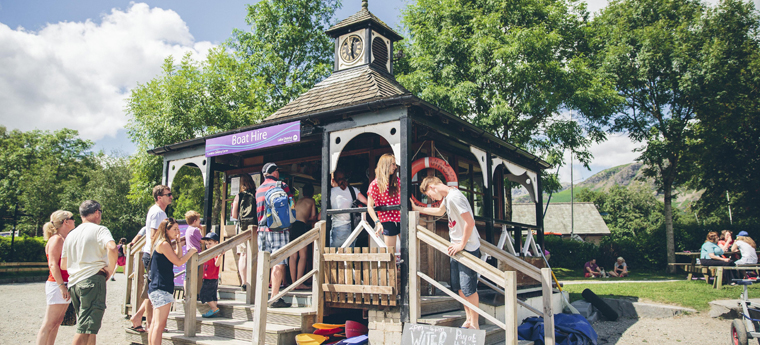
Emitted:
pixel 625 175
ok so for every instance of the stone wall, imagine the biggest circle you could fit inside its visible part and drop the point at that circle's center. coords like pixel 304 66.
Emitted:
pixel 385 326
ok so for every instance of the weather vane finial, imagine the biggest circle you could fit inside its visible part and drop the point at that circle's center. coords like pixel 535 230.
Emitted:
pixel 365 4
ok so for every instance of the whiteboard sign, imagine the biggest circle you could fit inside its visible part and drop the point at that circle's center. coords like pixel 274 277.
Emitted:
pixel 419 334
pixel 234 186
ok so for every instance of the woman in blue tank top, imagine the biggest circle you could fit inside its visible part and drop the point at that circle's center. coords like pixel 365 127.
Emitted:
pixel 165 255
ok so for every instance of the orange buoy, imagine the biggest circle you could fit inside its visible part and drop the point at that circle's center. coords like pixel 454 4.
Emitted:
pixel 440 165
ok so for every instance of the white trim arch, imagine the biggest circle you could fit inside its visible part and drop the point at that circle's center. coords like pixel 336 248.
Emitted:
pixel 174 166
pixel 390 131
pixel 519 174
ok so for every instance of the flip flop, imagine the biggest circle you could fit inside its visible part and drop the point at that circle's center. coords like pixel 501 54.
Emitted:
pixel 138 329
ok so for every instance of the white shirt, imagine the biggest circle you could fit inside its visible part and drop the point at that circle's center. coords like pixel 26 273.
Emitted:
pixel 85 251
pixel 749 255
pixel 155 216
pixel 341 198
pixel 456 204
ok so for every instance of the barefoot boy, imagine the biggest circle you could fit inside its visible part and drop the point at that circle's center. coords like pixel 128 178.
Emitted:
pixel 211 276
pixel 463 236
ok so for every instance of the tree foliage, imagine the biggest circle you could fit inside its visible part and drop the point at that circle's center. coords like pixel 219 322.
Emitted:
pixel 630 212
pixel 284 54
pixel 510 67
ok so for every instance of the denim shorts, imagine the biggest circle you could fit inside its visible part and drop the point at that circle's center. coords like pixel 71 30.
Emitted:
pixel 463 278
pixel 160 298
pixel 339 235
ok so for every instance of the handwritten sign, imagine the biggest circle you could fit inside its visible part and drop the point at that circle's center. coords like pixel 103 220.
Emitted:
pixel 285 133
pixel 419 334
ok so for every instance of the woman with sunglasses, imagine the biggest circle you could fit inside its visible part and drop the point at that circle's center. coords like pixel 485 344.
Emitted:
pixel 164 256
pixel 58 299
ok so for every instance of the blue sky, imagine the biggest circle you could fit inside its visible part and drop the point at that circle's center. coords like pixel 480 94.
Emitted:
pixel 72 63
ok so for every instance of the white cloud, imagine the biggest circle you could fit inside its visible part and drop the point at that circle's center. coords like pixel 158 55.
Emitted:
pixel 78 74
pixel 616 150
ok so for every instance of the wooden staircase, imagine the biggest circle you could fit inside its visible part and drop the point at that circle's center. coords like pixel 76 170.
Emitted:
pixel 234 325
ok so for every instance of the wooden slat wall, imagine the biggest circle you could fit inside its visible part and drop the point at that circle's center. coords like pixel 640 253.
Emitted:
pixel 360 277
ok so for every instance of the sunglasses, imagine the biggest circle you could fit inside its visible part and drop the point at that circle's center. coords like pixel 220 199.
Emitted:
pixel 167 194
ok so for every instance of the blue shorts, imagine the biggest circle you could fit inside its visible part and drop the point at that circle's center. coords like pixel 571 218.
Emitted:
pixel 463 278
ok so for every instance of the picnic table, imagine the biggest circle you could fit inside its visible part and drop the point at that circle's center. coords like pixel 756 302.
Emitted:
pixel 707 271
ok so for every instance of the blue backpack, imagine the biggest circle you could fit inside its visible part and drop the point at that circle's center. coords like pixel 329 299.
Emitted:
pixel 279 209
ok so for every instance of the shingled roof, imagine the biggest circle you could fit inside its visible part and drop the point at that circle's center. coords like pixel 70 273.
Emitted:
pixel 587 221
pixel 343 88
pixel 364 15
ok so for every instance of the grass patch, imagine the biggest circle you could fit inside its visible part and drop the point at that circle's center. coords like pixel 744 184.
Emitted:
pixel 691 294
pixel 568 274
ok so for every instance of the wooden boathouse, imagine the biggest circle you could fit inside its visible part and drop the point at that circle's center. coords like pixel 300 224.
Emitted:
pixel 350 119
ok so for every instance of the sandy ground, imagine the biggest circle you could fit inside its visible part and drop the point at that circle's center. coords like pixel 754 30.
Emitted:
pixel 22 307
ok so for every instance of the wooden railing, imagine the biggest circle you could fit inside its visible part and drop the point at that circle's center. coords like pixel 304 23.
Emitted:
pixel 265 259
pixel 505 281
pixel 249 237
pixel 133 270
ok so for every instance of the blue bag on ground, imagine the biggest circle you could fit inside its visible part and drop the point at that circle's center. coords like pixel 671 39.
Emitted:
pixel 569 329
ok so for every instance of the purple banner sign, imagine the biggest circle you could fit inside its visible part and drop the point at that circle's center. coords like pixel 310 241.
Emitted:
pixel 285 133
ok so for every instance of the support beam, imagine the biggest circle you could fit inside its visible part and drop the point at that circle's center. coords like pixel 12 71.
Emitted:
pixel 546 289
pixel 540 212
pixel 415 309
pixel 488 199
pixel 510 307
pixel 208 196
pixel 191 278
pixel 405 132
pixel 260 304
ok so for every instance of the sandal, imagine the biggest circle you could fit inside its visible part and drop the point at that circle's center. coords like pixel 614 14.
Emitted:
pixel 138 329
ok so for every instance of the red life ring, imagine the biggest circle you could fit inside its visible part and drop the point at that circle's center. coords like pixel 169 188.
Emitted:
pixel 437 164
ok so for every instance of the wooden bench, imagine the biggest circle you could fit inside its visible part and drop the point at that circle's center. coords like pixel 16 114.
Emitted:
pixel 718 281
pixel 693 268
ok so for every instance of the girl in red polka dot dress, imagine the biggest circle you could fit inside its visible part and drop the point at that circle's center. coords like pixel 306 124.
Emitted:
pixel 384 190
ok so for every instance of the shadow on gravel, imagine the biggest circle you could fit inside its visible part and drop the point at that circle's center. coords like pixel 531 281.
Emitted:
pixel 610 332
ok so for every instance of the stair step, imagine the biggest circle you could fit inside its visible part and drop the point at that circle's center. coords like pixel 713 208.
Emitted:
pixel 439 304
pixel 295 316
pixel 301 297
pixel 237 329
pixel 450 319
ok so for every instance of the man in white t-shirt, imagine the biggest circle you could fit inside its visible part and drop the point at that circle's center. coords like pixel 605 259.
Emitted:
pixel 89 254
pixel 463 236
pixel 156 214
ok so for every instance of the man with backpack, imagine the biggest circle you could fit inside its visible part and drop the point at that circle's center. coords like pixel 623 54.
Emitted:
pixel 275 213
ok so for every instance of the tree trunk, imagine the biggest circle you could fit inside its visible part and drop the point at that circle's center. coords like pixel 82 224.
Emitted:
pixel 669 236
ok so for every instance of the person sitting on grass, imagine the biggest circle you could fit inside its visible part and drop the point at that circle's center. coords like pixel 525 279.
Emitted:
pixel 621 269
pixel 211 277
pixel 591 270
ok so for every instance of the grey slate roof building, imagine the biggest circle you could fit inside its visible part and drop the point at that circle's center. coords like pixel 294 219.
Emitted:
pixel 588 221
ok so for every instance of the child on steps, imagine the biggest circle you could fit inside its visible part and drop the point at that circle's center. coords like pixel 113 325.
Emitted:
pixel 211 276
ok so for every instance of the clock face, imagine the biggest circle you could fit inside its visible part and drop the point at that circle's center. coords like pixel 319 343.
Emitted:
pixel 351 49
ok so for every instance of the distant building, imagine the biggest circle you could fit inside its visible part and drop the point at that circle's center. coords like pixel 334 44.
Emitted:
pixel 589 224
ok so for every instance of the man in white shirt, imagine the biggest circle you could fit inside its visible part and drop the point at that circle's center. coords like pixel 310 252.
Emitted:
pixel 156 214
pixel 89 254
pixel 463 236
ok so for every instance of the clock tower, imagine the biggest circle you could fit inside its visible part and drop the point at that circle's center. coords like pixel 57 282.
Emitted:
pixel 363 39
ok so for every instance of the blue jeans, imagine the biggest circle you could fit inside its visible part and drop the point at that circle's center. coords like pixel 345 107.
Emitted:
pixel 339 235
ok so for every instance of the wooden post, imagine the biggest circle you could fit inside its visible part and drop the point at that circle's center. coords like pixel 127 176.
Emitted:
pixel 317 302
pixel 415 311
pixel 262 294
pixel 191 277
pixel 137 283
pixel 128 267
pixel 251 252
pixel 510 307
pixel 546 287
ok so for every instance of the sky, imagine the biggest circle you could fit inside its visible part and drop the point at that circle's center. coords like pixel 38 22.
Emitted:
pixel 72 63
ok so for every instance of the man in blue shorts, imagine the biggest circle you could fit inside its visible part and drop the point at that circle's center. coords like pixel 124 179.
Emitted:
pixel 463 236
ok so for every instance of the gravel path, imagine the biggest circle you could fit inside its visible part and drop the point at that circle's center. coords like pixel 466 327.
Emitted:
pixel 22 319
pixel 23 308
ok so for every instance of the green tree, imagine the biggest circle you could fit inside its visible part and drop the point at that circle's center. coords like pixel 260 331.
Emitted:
pixel 728 135
pixel 38 168
pixel 284 54
pixel 653 51
pixel 514 68
pixel 630 212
